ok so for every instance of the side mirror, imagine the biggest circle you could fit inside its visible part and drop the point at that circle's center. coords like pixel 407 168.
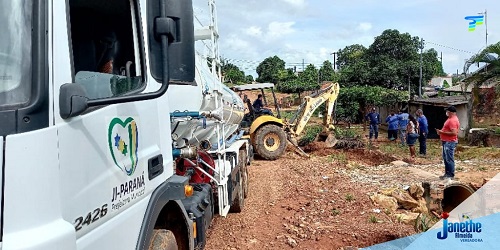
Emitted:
pixel 171 40
pixel 72 100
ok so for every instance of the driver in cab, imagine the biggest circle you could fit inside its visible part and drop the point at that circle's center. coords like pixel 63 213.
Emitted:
pixel 258 106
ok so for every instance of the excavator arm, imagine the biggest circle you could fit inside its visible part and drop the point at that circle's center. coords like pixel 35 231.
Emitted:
pixel 328 93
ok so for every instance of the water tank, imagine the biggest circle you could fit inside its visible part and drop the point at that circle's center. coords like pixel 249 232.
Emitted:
pixel 198 109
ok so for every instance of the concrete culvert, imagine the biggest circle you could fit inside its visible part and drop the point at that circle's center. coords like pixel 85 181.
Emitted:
pixel 454 194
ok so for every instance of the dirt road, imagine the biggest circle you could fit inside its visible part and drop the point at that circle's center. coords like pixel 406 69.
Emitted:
pixel 304 204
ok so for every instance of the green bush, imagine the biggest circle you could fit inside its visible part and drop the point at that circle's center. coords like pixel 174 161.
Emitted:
pixel 345 133
pixel 310 134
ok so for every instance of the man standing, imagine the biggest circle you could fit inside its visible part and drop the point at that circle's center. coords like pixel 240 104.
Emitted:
pixel 449 138
pixel 392 130
pixel 374 119
pixel 423 130
pixel 403 122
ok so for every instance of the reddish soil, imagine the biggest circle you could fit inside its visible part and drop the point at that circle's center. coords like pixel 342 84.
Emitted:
pixel 322 202
pixel 304 203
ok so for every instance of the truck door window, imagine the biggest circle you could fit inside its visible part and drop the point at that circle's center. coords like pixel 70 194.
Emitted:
pixel 106 49
pixel 15 53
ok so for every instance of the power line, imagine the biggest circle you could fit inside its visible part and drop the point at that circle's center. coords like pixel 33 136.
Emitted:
pixel 448 47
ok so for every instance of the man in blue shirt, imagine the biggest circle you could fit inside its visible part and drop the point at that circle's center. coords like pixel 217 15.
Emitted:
pixel 392 130
pixel 374 119
pixel 403 122
pixel 423 131
pixel 258 106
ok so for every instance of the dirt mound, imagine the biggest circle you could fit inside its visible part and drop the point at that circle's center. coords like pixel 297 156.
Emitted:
pixel 358 154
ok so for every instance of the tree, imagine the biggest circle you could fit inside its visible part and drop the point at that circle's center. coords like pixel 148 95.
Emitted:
pixel 270 70
pixel 353 67
pixel 350 55
pixel 249 78
pixel 232 74
pixel 491 56
pixel 431 65
pixel 326 72
pixel 354 101
pixel 309 77
pixel 394 61
pixel 306 81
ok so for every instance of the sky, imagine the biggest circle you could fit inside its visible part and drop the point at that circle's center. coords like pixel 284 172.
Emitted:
pixel 308 31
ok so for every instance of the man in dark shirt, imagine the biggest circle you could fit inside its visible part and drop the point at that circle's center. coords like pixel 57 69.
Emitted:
pixel 423 131
pixel 258 106
pixel 374 119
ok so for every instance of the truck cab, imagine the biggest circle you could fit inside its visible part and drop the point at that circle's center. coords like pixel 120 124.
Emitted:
pixel 86 148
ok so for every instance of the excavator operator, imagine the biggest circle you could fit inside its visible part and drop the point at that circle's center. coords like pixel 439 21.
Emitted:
pixel 258 106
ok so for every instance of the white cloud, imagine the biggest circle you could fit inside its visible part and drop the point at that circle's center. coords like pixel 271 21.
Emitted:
pixel 298 3
pixel 279 29
pixel 235 43
pixel 253 31
pixel 364 27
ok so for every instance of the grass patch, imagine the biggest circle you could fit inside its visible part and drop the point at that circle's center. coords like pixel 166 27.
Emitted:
pixel 336 212
pixel 481 168
pixel 340 158
pixel 349 197
pixel 373 219
pixel 497 131
pixel 477 153
pixel 460 169
pixel 287 115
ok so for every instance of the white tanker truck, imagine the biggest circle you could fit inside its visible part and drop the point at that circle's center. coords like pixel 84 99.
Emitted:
pixel 111 138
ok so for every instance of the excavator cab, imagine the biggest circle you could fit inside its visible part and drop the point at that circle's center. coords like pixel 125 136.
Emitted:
pixel 266 132
pixel 253 114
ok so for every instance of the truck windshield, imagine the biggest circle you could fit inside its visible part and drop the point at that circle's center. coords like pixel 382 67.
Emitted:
pixel 15 53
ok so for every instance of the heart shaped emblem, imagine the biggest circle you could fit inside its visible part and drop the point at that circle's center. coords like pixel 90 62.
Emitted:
pixel 123 143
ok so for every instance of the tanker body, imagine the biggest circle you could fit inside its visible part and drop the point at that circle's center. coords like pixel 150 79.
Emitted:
pixel 208 147
pixel 206 112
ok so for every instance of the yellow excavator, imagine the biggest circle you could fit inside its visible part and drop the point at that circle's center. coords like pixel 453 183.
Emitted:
pixel 269 134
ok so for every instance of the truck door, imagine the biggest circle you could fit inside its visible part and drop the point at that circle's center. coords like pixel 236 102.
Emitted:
pixel 106 152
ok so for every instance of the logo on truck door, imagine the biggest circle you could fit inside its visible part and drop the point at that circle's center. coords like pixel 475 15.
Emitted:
pixel 123 142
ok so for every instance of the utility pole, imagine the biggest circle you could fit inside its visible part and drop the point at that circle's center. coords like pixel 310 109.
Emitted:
pixel 420 79
pixel 334 63
pixel 486 26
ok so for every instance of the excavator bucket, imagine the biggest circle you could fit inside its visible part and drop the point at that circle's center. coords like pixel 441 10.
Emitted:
pixel 328 138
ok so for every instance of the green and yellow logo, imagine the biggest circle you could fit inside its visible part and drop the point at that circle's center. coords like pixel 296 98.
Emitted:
pixel 123 143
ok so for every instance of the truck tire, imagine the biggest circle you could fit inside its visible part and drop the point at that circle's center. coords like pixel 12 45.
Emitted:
pixel 239 201
pixel 270 142
pixel 244 170
pixel 163 240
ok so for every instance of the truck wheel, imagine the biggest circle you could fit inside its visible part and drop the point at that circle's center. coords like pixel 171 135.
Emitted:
pixel 163 240
pixel 270 142
pixel 239 201
pixel 244 170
